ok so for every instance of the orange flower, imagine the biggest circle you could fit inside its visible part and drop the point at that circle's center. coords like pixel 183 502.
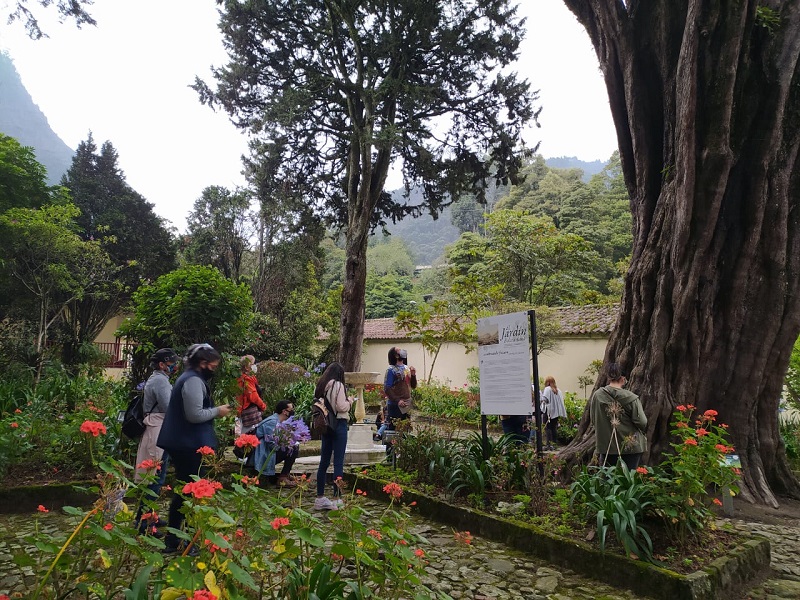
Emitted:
pixel 375 533
pixel 250 480
pixel 723 425
pixel 690 442
pixel 149 464
pixel 717 502
pixel 691 406
pixel 239 532
pixel 393 489
pixel 710 414
pixel 701 432
pixel 205 451
pixel 247 440
pixel 279 522
pixel 680 408
pixel 14 425
pixel 359 492
pixel 464 538
pixel 150 516
pixel 202 488
pixel 93 427
pixel 414 503
pixel 681 424
pixel 18 411
pixel 108 527
pixel 402 542
pixel 42 509
pixel 642 470
pixel 721 447
pixel 212 547
pixel 336 557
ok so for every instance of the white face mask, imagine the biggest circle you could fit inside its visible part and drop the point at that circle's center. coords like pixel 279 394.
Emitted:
pixel 254 368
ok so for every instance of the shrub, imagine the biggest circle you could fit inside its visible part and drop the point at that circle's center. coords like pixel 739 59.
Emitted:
pixel 275 376
pixel 441 401
pixel 568 427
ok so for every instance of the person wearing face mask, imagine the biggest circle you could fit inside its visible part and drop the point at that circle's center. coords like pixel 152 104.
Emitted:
pixel 267 456
pixel 157 392
pixel 250 405
pixel 189 425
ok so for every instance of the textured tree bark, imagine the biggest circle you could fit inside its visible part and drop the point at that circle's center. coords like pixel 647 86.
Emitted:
pixel 705 96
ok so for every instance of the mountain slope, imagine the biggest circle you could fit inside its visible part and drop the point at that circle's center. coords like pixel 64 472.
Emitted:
pixel 20 118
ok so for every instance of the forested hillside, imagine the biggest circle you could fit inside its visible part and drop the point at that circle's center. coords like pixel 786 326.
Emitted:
pixel 20 118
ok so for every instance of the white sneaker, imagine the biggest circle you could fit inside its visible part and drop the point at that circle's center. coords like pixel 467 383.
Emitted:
pixel 323 503
pixel 339 503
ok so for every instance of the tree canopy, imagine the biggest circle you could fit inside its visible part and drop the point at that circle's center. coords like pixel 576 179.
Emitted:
pixel 338 90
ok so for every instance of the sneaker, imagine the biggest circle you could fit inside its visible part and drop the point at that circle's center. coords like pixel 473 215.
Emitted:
pixel 339 503
pixel 323 503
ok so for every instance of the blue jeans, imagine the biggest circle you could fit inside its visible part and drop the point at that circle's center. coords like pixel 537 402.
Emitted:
pixel 336 444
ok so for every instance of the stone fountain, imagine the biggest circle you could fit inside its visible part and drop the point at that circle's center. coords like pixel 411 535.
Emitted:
pixel 360 447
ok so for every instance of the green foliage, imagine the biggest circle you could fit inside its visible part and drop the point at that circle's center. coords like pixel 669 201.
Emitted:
pixel 24 178
pixel 791 381
pixel 440 401
pixel 433 325
pixel 387 295
pixel 274 377
pixel 768 18
pixel 187 306
pixel 688 479
pixel 616 497
pixel 568 426
pixel 219 229
pixel 249 543
pixel 790 434
pixel 301 394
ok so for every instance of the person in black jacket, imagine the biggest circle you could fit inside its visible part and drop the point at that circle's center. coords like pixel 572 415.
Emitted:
pixel 189 425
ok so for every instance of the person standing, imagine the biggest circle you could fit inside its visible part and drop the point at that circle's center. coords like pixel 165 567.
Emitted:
pixel 553 408
pixel 157 392
pixel 189 425
pixel 267 456
pixel 619 421
pixel 331 387
pixel 250 405
pixel 400 379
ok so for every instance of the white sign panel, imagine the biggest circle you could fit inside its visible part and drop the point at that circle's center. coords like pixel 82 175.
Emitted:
pixel 504 359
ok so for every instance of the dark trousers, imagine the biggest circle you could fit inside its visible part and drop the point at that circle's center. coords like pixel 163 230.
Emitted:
pixel 287 458
pixel 154 489
pixel 552 430
pixel 514 425
pixel 187 463
pixel 332 444
pixel 631 460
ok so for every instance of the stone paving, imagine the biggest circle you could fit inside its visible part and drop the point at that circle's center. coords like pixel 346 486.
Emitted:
pixel 486 570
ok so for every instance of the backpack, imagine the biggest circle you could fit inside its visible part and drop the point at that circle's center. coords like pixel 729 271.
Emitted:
pixel 323 419
pixel 133 422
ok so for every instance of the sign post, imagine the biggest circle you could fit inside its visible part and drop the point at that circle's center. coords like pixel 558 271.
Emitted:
pixel 537 408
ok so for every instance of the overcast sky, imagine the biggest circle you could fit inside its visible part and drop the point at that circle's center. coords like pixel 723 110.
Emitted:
pixel 127 81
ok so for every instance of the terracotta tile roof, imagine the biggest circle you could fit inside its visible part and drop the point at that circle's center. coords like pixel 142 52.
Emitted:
pixel 575 320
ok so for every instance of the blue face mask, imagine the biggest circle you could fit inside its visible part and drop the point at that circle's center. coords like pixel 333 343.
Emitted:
pixel 171 368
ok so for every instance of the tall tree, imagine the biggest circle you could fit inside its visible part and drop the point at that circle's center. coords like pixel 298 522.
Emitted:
pixel 135 238
pixel 67 9
pixel 705 96
pixel 340 89
pixel 23 180
pixel 220 227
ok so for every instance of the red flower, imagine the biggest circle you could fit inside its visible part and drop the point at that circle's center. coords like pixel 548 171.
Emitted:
pixel 17 411
pixel 42 509
pixel 203 595
pixel 681 424
pixel 722 448
pixel 250 480
pixel 279 522
pixel 247 440
pixel 691 406
pixel 414 503
pixel 717 502
pixel 239 532
pixel 680 408
pixel 336 557
pixel 464 537
pixel 212 547
pixel 710 414
pixel 642 470
pixel 205 451
pixel 723 425
pixel 149 464
pixel 108 527
pixel 202 488
pixel 419 552
pixel 4 597
pixel 393 489
pixel 701 432
pixel 150 516
pixel 14 425
pixel 690 442
pixel 375 533
pixel 402 542
pixel 93 427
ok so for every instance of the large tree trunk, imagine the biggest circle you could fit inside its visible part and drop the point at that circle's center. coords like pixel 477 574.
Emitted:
pixel 706 102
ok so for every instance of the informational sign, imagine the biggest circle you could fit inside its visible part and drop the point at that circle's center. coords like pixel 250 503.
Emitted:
pixel 504 359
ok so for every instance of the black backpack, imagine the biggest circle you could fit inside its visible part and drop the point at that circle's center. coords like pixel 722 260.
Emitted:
pixel 133 422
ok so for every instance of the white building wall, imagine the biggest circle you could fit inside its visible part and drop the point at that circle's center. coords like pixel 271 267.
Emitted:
pixel 566 363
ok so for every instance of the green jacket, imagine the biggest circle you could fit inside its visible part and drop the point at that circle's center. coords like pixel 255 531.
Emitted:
pixel 616 403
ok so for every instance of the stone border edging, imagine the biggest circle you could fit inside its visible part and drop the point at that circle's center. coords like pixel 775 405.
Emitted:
pixel 24 499
pixel 718 581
